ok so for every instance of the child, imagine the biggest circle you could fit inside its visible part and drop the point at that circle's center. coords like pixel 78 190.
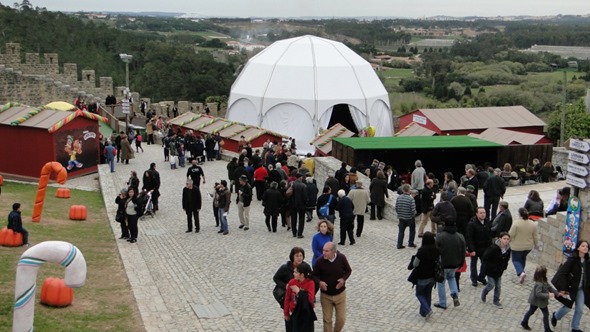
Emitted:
pixel 539 298
pixel 138 140
pixel 299 300
pixel 495 260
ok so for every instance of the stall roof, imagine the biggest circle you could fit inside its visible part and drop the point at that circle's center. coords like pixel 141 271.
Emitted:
pixel 323 142
pixel 44 118
pixel 414 129
pixel 416 142
pixel 507 137
pixel 481 117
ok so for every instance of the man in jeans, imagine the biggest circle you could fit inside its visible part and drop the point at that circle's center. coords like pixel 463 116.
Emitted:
pixel 332 271
pixel 452 247
pixel 405 207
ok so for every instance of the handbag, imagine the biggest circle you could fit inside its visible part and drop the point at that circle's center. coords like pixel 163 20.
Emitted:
pixel 439 272
pixel 120 216
pixel 413 277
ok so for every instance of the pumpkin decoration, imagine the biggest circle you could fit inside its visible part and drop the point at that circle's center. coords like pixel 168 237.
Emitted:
pixel 62 193
pixel 55 293
pixel 78 212
pixel 1 180
pixel 9 238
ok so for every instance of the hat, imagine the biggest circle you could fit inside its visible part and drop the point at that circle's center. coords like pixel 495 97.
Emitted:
pixel 470 187
pixel 243 178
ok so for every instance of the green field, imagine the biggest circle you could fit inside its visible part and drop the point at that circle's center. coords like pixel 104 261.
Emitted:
pixel 105 302
pixel 392 76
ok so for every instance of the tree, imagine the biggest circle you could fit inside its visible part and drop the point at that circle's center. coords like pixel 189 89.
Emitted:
pixel 577 122
pixel 467 91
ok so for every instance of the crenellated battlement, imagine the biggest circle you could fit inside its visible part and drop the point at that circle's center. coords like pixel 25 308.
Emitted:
pixel 36 79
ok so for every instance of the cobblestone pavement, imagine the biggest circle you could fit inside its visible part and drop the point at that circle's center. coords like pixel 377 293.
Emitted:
pixel 175 275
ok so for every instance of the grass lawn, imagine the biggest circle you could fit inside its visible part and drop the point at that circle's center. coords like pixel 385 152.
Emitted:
pixel 106 302
pixel 392 76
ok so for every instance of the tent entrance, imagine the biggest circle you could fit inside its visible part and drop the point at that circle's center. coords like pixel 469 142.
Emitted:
pixel 341 114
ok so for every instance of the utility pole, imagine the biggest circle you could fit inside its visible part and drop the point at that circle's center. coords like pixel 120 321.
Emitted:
pixel 562 128
pixel 125 103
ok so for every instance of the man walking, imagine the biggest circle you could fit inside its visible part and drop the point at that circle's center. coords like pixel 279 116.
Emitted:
pixel 298 203
pixel 151 182
pixel 493 189
pixel 345 208
pixel 15 223
pixel 195 172
pixel 464 210
pixel 451 245
pixel 503 220
pixel 332 271
pixel 360 199
pixel 427 201
pixel 417 181
pixel 405 207
pixel 479 238
pixel 191 204
pixel 110 152
pixel 243 200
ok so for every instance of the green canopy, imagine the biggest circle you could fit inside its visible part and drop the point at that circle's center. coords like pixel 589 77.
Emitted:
pixel 415 142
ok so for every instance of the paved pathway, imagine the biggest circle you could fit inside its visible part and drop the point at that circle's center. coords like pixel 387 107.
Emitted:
pixel 182 281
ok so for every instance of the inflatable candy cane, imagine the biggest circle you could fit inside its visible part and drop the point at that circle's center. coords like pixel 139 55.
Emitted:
pixel 63 253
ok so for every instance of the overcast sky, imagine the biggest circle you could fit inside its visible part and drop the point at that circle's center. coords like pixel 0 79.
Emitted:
pixel 335 8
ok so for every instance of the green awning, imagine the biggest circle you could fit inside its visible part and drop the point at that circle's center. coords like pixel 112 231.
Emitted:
pixel 415 142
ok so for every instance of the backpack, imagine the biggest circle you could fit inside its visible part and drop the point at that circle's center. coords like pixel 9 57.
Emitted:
pixel 325 209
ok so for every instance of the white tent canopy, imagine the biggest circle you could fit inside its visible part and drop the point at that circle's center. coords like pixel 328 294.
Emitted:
pixel 292 86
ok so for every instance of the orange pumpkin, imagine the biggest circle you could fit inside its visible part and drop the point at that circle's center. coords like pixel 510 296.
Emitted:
pixel 9 238
pixel 1 180
pixel 55 293
pixel 62 193
pixel 78 212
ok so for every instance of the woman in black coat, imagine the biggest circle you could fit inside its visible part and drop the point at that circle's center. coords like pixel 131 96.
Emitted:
pixel 378 190
pixel 272 199
pixel 284 274
pixel 424 263
pixel 567 281
pixel 121 200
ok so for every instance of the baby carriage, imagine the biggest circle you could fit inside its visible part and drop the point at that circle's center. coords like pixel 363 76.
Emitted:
pixel 145 197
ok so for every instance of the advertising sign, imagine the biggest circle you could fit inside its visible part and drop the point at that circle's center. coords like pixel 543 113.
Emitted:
pixel 572 226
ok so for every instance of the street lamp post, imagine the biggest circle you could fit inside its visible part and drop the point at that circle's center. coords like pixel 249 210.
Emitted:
pixel 126 58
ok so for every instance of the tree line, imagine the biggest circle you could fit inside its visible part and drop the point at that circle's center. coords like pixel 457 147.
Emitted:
pixel 162 68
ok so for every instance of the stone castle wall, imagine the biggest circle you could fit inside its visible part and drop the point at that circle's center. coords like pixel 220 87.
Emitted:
pixel 38 80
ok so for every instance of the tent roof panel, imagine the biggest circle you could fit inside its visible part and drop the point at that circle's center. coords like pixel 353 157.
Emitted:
pixel 416 142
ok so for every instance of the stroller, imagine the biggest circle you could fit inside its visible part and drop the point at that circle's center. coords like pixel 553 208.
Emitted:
pixel 145 197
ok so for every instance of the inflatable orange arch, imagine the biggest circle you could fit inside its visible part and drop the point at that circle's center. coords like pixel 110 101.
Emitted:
pixel 46 171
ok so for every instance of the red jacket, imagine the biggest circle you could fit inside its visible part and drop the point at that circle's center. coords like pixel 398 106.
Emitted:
pixel 260 174
pixel 306 285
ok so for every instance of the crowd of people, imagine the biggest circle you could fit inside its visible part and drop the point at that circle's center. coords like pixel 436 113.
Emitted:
pixel 285 186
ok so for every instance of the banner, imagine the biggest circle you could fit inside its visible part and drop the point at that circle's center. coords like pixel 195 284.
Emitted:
pixel 572 226
pixel 77 148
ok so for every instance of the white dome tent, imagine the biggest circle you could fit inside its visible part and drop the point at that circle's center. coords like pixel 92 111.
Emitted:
pixel 297 86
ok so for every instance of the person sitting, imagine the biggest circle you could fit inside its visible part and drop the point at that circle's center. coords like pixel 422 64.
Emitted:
pixel 547 172
pixel 15 223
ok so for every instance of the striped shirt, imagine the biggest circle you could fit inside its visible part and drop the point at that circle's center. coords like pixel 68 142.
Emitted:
pixel 405 207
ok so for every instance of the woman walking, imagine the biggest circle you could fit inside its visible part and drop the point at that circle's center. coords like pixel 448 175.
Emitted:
pixel 572 282
pixel 424 262
pixel 121 216
pixel 324 235
pixel 132 207
pixel 523 238
pixel 272 200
